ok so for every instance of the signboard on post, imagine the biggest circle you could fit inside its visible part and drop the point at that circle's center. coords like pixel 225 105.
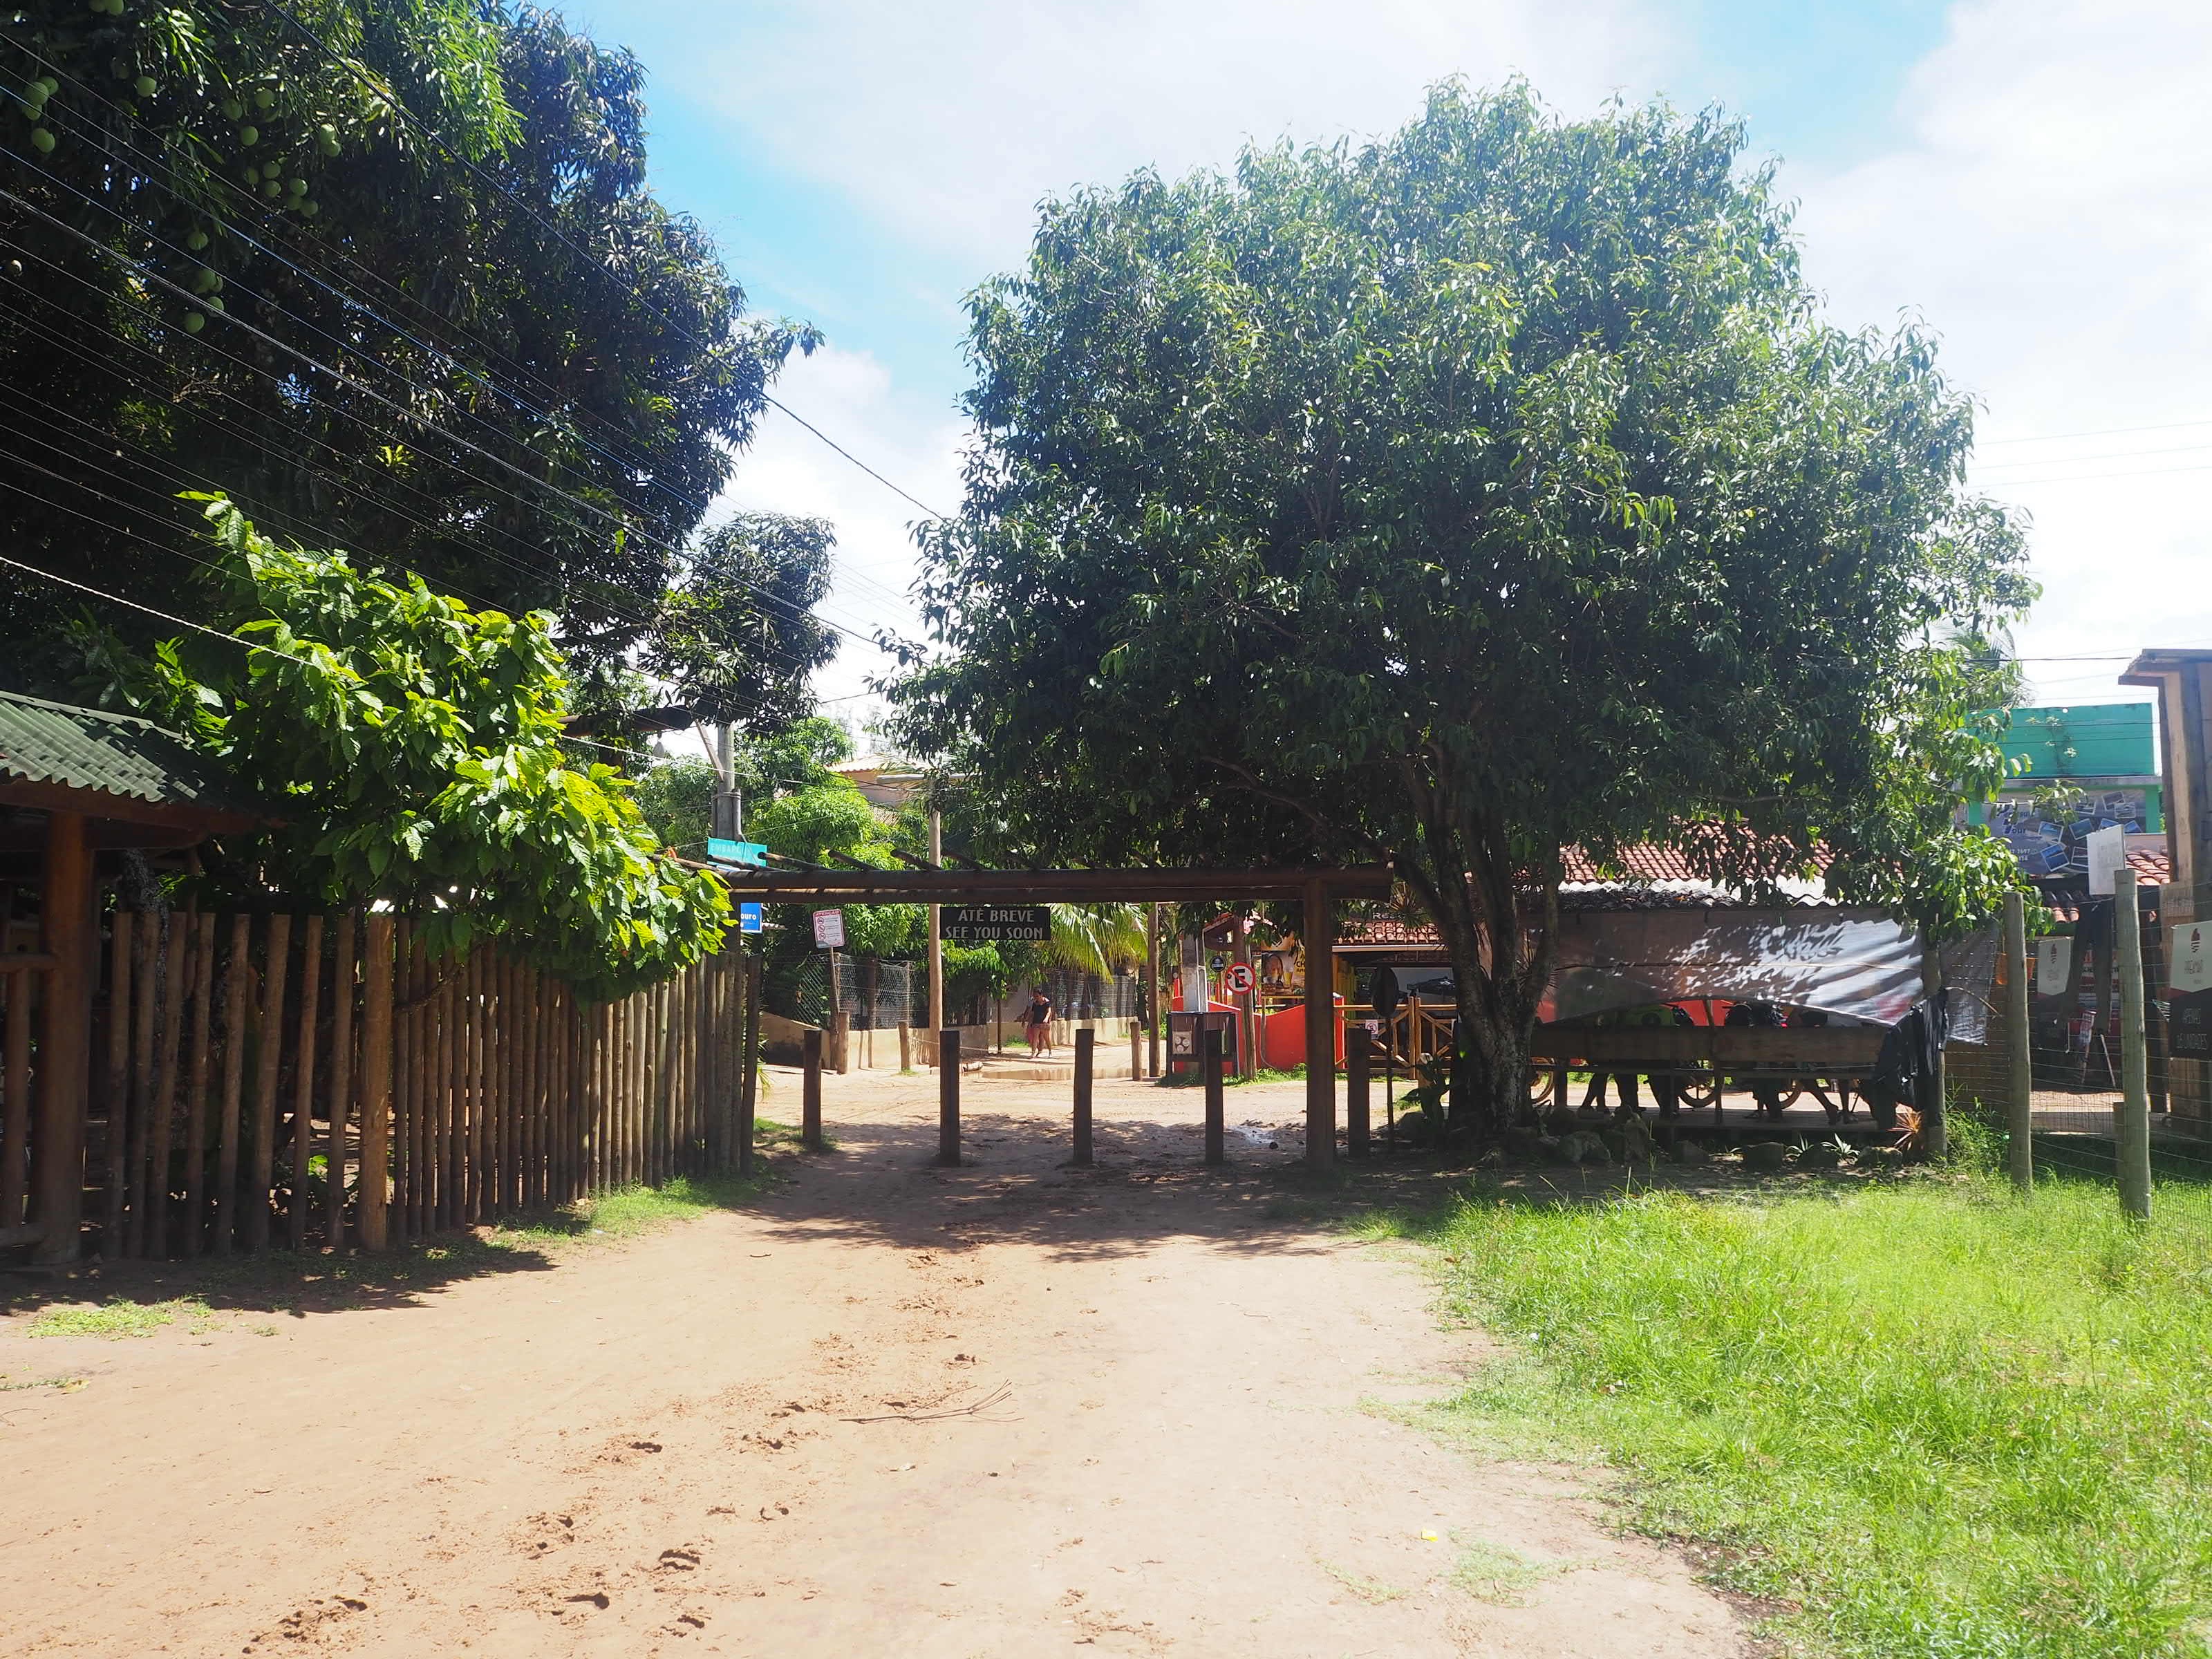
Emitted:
pixel 829 928
pixel 2189 964
pixel 2108 856
pixel 992 924
pixel 752 854
pixel 748 917
pixel 2189 1033
pixel 1237 978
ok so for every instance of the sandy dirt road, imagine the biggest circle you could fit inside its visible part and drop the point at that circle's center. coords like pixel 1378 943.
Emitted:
pixel 1182 1442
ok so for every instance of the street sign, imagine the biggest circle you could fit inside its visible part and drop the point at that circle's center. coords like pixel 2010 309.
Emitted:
pixel 748 918
pixel 2190 1035
pixel 751 854
pixel 1238 977
pixel 991 924
pixel 829 928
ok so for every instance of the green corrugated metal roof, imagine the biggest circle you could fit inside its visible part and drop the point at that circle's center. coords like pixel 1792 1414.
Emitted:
pixel 117 754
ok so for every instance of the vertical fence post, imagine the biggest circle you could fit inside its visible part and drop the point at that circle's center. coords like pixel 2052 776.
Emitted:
pixel 1136 1050
pixel 175 968
pixel 1209 1068
pixel 2133 1124
pixel 1086 1042
pixel 2020 1068
pixel 810 1099
pixel 905 1047
pixel 72 937
pixel 267 1073
pixel 375 1080
pixel 146 977
pixel 1320 942
pixel 1356 1070
pixel 195 1074
pixel 343 972
pixel 841 1039
pixel 119 1092
pixel 948 1096
pixel 749 1064
pixel 303 1086
pixel 234 1076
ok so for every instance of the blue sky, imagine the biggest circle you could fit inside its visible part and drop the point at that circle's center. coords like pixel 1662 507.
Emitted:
pixel 2030 176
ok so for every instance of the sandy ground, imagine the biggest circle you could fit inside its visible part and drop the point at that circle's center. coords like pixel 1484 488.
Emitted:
pixel 1172 1433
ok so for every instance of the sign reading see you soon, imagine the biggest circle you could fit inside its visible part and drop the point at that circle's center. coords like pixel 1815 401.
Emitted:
pixel 991 924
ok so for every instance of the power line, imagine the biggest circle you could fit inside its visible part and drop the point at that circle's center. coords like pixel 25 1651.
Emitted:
pixel 390 95
pixel 406 417
pixel 438 353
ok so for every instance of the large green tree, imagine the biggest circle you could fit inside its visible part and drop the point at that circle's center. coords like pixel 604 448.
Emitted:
pixel 1458 498
pixel 413 748
pixel 390 276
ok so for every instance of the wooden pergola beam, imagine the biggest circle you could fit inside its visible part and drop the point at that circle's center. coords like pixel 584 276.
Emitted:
pixel 1143 886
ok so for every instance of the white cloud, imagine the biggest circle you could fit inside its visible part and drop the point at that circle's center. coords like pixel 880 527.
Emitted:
pixel 851 397
pixel 949 122
pixel 2050 215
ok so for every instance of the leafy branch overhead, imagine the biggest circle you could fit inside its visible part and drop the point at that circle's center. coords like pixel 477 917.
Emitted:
pixel 415 749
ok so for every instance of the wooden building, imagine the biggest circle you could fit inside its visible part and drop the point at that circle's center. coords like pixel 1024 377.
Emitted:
pixel 79 787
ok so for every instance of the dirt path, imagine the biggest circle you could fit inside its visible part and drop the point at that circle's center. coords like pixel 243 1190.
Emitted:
pixel 646 1448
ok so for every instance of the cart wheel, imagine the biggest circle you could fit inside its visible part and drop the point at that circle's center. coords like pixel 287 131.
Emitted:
pixel 1539 1089
pixel 1790 1097
pixel 1701 1090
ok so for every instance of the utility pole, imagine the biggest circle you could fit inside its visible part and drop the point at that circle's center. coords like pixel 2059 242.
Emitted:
pixel 729 811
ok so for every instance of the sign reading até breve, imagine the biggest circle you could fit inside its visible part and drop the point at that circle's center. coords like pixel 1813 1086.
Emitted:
pixel 994 924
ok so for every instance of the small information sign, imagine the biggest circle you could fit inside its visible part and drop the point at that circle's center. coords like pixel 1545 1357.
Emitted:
pixel 748 917
pixel 829 928
pixel 1238 977
pixel 2191 1037
pixel 992 924
pixel 751 854
pixel 2190 967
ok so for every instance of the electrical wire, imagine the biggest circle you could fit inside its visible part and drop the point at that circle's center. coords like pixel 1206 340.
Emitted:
pixel 407 417
pixel 517 565
pixel 390 96
pixel 110 144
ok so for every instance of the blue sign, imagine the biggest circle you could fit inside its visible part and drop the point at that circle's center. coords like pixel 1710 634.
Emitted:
pixel 752 853
pixel 748 918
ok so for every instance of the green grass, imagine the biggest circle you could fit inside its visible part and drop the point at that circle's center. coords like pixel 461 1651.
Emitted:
pixel 116 1318
pixel 1925 1418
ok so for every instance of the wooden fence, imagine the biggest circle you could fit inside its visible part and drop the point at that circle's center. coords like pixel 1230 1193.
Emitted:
pixel 263 1080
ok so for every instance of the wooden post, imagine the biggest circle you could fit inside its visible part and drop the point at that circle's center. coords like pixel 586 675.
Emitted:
pixel 841 1039
pixel 905 1047
pixel 1935 1134
pixel 809 1095
pixel 65 1066
pixel 749 1065
pixel 16 1129
pixel 176 976
pixel 1085 1042
pixel 234 1076
pixel 341 1103
pixel 303 1083
pixel 1136 1049
pixel 2020 1076
pixel 267 1065
pixel 146 974
pixel 1153 995
pixel 375 1080
pixel 2132 1125
pixel 113 1237
pixel 1209 1068
pixel 195 1074
pixel 1355 1067
pixel 1320 1025
pixel 948 1097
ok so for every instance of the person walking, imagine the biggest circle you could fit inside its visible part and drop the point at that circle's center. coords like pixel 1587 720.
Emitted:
pixel 1036 1022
